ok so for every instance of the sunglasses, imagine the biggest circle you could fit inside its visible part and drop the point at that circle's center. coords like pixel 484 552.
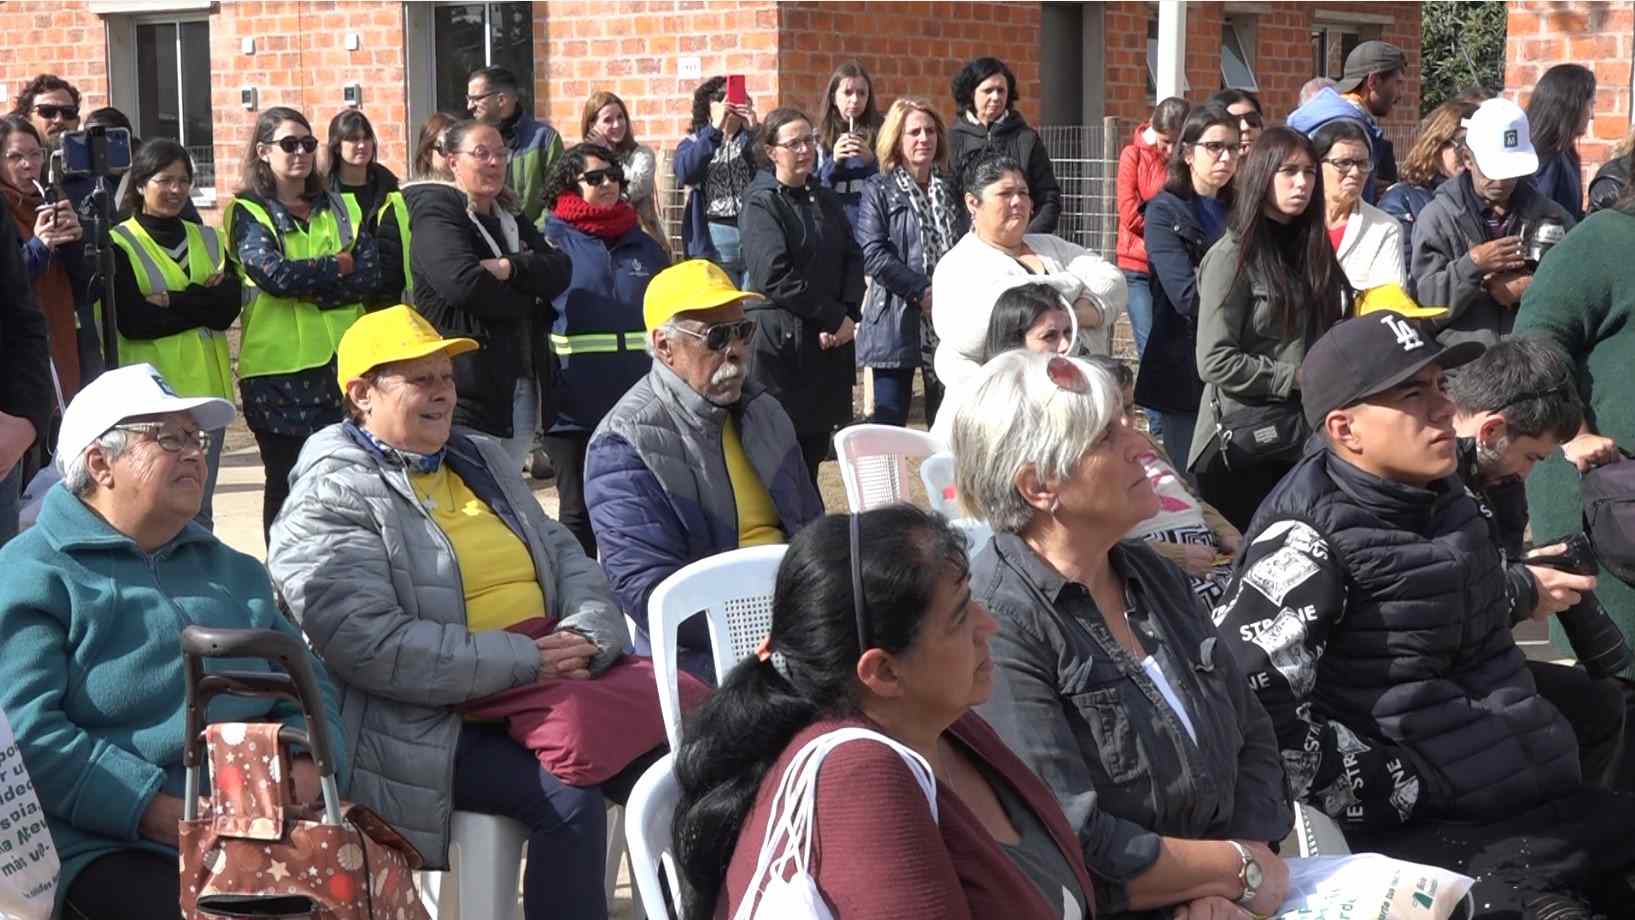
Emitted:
pixel 53 112
pixel 1252 119
pixel 290 144
pixel 720 335
pixel 595 177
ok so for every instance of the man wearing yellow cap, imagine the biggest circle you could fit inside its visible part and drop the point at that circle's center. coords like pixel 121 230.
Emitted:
pixel 419 565
pixel 691 462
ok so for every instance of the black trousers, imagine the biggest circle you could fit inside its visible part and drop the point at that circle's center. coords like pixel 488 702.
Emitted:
pixel 1594 707
pixel 1578 846
pixel 278 455
pixel 1237 492
pixel 567 453
pixel 814 449
pixel 126 885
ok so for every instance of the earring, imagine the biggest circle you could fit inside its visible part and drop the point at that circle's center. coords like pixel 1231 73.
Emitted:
pixel 1055 506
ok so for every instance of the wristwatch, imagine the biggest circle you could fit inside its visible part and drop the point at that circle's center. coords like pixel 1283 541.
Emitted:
pixel 1249 875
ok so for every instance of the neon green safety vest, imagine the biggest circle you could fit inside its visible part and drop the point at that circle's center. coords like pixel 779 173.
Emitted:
pixel 283 335
pixel 597 343
pixel 400 212
pixel 195 362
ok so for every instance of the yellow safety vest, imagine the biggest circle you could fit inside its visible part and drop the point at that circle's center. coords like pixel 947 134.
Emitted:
pixel 195 362
pixel 400 212
pixel 283 335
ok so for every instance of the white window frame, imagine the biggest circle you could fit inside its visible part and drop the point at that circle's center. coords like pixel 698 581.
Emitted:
pixel 122 69
pixel 420 57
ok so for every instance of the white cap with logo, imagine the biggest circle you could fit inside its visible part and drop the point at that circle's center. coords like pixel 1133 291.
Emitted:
pixel 129 392
pixel 1501 141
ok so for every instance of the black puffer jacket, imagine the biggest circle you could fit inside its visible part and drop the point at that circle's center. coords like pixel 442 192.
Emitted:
pixel 799 252
pixel 1011 135
pixel 1609 183
pixel 1373 618
pixel 461 298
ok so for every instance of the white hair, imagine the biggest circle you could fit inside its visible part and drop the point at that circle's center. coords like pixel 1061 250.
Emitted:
pixel 1016 417
pixel 76 473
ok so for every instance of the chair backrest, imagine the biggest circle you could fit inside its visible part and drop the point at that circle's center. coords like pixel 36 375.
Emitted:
pixel 1316 834
pixel 734 590
pixel 873 462
pixel 937 472
pixel 977 534
pixel 647 817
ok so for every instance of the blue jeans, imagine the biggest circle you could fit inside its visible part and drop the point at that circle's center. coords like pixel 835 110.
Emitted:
pixel 1140 307
pixel 893 392
pixel 730 255
pixel 524 422
pixel 1177 438
pixel 212 463
pixel 567 825
pixel 11 502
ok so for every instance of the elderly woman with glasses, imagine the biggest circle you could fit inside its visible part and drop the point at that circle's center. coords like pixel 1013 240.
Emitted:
pixel 427 577
pixel 799 251
pixel 597 332
pixel 92 677
pixel 483 271
pixel 1366 240
pixel 1109 680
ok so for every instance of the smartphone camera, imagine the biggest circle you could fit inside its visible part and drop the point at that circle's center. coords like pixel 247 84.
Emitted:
pixel 99 151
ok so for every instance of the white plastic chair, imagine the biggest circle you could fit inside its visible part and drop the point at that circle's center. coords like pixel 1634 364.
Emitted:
pixel 485 865
pixel 937 473
pixel 647 827
pixel 873 462
pixel 734 590
pixel 977 534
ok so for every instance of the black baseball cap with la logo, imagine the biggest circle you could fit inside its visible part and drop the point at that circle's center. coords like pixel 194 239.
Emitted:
pixel 1370 354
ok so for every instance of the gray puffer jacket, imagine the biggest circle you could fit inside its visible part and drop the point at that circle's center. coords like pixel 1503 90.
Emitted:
pixel 375 585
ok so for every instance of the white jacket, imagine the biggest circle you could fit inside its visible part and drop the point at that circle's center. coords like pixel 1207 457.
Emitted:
pixel 972 275
pixel 1371 250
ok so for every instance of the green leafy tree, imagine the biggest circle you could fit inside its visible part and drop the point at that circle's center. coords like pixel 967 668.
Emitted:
pixel 1461 48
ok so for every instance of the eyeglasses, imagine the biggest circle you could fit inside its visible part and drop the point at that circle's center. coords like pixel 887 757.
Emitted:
pixel 485 155
pixel 805 142
pixel 291 143
pixel 473 100
pixel 54 112
pixel 172 442
pixel 718 336
pixel 1344 166
pixel 31 156
pixel 595 177
pixel 1218 149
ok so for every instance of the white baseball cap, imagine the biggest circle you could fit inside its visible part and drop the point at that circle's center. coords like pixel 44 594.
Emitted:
pixel 129 392
pixel 1501 141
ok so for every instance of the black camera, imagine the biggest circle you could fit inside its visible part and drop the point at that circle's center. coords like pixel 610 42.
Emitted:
pixel 1594 637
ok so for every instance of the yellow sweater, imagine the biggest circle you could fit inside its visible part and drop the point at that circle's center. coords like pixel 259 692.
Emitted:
pixel 758 523
pixel 501 586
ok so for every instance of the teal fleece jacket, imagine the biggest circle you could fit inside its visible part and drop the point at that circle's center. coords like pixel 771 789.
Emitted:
pixel 91 673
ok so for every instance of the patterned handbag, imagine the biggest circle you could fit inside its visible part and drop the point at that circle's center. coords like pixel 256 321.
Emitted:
pixel 249 850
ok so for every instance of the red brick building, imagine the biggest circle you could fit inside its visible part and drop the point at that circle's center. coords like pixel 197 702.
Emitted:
pixel 1599 35
pixel 199 70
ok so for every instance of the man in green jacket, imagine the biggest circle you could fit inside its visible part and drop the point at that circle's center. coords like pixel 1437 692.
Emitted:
pixel 493 97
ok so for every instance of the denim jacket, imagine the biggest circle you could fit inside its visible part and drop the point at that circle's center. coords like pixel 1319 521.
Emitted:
pixel 1080 711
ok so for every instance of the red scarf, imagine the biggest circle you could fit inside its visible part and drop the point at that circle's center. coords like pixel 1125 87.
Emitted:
pixel 607 223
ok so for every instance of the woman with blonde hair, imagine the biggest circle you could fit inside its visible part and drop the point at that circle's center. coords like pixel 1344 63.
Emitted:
pixel 908 217
pixel 606 121
pixel 1434 157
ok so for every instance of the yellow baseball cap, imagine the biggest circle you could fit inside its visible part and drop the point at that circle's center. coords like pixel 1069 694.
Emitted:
pixel 393 334
pixel 1392 297
pixel 696 284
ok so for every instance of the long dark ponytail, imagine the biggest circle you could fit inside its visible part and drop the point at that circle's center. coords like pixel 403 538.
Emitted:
pixel 733 740
pixel 1305 285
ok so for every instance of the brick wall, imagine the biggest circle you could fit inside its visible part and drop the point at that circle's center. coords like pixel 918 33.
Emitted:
pixel 635 48
pixel 1600 36
pixel 64 38
pixel 1282 53
pixel 907 48
pixel 301 61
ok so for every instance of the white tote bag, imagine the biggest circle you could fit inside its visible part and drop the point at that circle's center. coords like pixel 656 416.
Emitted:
pixel 28 858
pixel 782 887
